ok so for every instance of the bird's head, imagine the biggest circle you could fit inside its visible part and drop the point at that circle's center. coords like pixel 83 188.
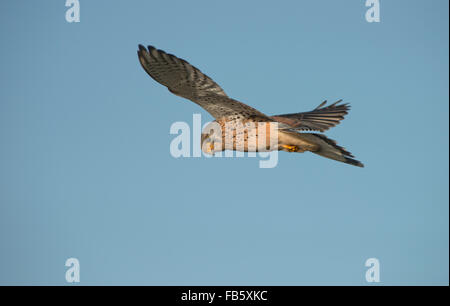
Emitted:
pixel 211 140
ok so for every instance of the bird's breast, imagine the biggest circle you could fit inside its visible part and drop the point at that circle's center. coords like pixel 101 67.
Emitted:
pixel 248 136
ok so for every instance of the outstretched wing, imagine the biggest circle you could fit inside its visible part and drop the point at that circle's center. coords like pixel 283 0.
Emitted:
pixel 180 77
pixel 320 119
pixel 183 79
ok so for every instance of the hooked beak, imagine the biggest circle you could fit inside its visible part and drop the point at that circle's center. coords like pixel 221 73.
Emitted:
pixel 209 148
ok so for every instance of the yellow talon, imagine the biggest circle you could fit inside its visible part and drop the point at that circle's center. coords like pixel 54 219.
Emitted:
pixel 291 148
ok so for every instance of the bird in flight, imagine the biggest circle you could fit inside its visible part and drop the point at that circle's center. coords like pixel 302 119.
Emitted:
pixel 184 80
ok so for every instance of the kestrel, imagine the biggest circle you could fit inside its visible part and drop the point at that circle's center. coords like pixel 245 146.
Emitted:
pixel 184 80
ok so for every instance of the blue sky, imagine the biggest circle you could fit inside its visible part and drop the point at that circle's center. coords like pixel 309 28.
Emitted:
pixel 86 172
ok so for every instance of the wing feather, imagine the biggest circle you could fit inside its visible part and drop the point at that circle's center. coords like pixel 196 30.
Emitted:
pixel 183 79
pixel 320 119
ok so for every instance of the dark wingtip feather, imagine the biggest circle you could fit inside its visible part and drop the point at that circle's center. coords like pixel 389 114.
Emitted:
pixel 334 104
pixel 321 104
pixel 354 162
